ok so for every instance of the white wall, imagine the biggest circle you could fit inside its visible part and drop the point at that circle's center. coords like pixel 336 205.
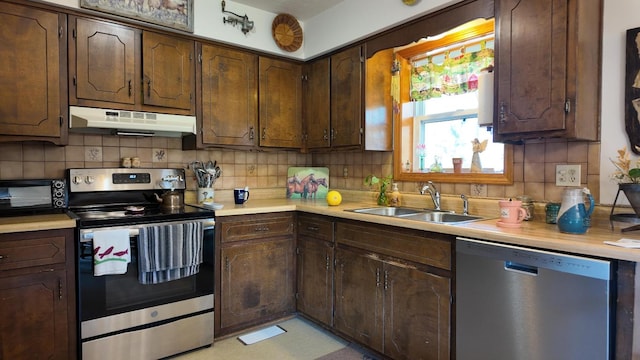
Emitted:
pixel 619 16
pixel 350 20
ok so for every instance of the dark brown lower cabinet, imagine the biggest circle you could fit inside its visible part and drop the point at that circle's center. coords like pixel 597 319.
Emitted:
pixel 397 307
pixel 314 295
pixel 257 270
pixel 315 280
pixel 394 309
pixel 37 296
pixel 33 310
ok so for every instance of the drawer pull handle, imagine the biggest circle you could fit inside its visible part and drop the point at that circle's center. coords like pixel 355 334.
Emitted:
pixel 265 228
pixel 386 280
pixel 313 228
pixel 3 257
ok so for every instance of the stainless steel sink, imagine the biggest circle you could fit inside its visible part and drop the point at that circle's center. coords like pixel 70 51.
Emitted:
pixel 426 215
pixel 388 211
pixel 441 217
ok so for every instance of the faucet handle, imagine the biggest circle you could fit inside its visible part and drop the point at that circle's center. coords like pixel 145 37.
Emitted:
pixel 465 204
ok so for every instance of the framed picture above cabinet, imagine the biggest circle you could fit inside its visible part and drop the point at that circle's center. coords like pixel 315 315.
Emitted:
pixel 174 14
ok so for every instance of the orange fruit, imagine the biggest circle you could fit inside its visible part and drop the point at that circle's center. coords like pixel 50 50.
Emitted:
pixel 334 198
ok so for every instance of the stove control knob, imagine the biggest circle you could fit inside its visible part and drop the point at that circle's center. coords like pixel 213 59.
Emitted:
pixel 77 180
pixel 90 179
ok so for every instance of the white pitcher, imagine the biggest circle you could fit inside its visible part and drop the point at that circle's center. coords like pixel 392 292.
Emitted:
pixel 573 217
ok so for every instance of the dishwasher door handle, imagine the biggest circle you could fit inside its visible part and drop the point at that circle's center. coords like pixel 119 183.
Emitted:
pixel 520 268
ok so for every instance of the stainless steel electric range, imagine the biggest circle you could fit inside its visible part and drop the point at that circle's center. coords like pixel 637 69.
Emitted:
pixel 145 270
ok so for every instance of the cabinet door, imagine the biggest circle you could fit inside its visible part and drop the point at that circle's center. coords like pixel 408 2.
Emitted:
pixel 31 98
pixel 168 71
pixel 316 104
pixel 359 301
pixel 33 309
pixel 531 65
pixel 280 103
pixel 417 314
pixel 378 115
pixel 103 67
pixel 315 279
pixel 229 96
pixel 257 282
pixel 346 97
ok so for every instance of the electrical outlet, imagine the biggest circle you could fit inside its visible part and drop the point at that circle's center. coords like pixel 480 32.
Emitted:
pixel 567 175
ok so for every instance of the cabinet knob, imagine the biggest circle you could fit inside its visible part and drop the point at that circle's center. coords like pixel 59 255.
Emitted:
pixel 2 257
pixel 251 133
pixel 130 89
pixel 149 88
pixel 264 133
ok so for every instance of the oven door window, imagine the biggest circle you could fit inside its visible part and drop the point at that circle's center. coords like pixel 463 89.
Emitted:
pixel 107 295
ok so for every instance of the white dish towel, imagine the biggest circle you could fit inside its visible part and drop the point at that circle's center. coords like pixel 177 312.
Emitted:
pixel 111 252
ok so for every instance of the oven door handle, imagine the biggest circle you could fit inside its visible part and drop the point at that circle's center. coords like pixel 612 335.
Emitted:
pixel 86 235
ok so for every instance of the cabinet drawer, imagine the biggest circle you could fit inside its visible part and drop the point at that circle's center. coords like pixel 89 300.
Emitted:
pixel 418 246
pixel 21 250
pixel 316 227
pixel 256 227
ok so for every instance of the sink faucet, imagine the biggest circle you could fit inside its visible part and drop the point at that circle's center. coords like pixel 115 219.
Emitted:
pixel 435 194
pixel 465 204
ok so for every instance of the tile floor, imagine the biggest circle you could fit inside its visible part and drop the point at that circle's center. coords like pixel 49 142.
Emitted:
pixel 302 341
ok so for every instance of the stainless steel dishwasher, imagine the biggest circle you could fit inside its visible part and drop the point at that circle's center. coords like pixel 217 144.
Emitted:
pixel 519 303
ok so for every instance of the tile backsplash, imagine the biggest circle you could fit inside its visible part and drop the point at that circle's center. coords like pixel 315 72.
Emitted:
pixel 534 164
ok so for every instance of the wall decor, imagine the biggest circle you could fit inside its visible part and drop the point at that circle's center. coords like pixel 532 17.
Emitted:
pixel 307 182
pixel 632 89
pixel 177 14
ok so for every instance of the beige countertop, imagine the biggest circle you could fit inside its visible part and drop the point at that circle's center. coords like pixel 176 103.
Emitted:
pixel 537 234
pixel 35 222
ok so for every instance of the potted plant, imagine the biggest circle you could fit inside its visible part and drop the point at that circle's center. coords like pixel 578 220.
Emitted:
pixel 383 184
pixel 628 178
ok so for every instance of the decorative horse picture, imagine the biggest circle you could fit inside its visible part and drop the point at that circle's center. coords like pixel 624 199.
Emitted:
pixel 297 186
pixel 307 183
pixel 312 187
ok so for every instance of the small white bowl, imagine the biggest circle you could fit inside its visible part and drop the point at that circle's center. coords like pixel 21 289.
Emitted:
pixel 214 206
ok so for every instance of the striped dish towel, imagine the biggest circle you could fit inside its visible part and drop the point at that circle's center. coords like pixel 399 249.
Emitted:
pixel 169 252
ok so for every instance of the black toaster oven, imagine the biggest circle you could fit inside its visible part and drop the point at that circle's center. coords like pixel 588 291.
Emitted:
pixel 32 197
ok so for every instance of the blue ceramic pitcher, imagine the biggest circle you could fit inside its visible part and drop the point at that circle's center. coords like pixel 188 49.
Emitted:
pixel 573 217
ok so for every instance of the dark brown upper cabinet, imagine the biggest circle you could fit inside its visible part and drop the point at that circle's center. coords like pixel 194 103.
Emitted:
pixel 378 113
pixel 103 65
pixel 229 83
pixel 122 67
pixel 317 113
pixel 280 103
pixel 548 69
pixel 33 53
pixel 346 97
pixel 168 71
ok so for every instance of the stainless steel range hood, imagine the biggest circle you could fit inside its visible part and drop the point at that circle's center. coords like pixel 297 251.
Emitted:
pixel 124 122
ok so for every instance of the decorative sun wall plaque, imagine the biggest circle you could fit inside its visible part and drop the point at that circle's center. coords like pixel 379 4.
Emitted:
pixel 177 14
